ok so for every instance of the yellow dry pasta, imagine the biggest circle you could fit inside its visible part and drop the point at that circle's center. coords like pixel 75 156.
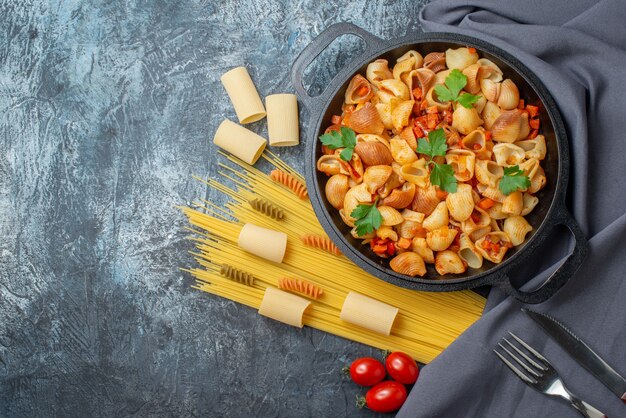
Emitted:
pixel 263 242
pixel 239 141
pixel 267 208
pixel 368 313
pixel 300 286
pixel 282 120
pixel 426 323
pixel 283 306
pixel 237 275
pixel 243 95
pixel 321 242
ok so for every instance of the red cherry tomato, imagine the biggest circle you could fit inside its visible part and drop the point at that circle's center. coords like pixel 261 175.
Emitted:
pixel 387 396
pixel 402 368
pixel 367 371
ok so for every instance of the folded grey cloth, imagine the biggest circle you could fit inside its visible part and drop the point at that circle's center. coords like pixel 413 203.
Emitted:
pixel 578 49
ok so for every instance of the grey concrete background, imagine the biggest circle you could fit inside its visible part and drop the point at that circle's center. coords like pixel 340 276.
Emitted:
pixel 106 110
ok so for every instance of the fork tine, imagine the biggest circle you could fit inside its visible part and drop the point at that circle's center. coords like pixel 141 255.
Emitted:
pixel 530 349
pixel 531 361
pixel 515 369
pixel 520 362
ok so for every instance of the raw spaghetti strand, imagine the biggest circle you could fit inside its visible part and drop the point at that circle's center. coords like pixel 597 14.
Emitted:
pixel 426 322
pixel 290 181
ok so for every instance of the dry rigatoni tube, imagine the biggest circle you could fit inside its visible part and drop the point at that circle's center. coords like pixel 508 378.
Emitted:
pixel 239 141
pixel 282 120
pixel 283 306
pixel 368 313
pixel 243 95
pixel 265 243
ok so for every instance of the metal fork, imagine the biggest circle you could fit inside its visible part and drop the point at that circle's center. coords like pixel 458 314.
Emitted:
pixel 537 372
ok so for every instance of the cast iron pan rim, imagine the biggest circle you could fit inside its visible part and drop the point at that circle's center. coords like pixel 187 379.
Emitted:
pixel 479 279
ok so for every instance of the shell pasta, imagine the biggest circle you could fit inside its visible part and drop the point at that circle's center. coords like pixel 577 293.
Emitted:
pixel 435 160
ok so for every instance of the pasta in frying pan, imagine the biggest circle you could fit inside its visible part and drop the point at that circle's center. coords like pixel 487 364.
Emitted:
pixel 435 160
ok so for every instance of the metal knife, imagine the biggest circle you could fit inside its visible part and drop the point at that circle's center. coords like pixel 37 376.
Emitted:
pixel 581 352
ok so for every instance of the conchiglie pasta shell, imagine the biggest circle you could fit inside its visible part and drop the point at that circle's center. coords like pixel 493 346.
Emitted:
pixel 469 225
pixel 462 162
pixel 425 200
pixel 390 216
pixel 330 165
pixel 366 120
pixel 377 71
pixel 384 111
pixel 422 78
pixel 492 193
pixel 420 247
pixel 400 114
pixel 348 220
pixel 509 95
pixel 468 252
pixel 354 197
pixel 336 189
pixel 401 197
pixel 534 148
pixel 490 89
pixel 480 104
pixel 395 87
pixel 449 262
pixel 490 114
pixel 435 61
pixel 403 67
pixel 440 238
pixel 513 203
pixel 401 152
pixel 438 218
pixel 487 172
pixel 416 173
pixel 409 229
pixel 373 153
pixel 479 233
pixel 530 202
pixel 508 154
pixel 376 176
pixel 460 58
pixel 530 167
pixel 465 120
pixel 432 100
pixel 408 263
pixel 538 181
pixel 516 227
pixel 419 60
pixel 460 203
pixel 411 215
pixel 392 183
pixel 495 237
pixel 509 127
pixel 409 136
pixel 490 70
pixel 440 77
pixel 476 141
pixel 472 72
pixel 357 83
pixel 387 232
pixel 495 212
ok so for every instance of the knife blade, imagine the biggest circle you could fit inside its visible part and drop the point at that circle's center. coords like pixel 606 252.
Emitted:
pixel 581 352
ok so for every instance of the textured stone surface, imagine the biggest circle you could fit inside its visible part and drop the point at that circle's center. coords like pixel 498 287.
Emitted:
pixel 106 109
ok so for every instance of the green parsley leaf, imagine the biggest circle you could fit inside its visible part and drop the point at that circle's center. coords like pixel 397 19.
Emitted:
pixel 513 179
pixel 346 138
pixel 442 175
pixel 454 83
pixel 368 218
pixel 467 100
pixel 436 144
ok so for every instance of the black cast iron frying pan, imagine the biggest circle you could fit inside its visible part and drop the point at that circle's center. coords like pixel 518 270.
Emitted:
pixel 549 213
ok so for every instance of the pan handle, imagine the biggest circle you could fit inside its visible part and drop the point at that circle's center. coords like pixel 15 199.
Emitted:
pixel 562 274
pixel 319 44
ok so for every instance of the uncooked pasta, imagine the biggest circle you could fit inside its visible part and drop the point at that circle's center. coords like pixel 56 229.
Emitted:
pixel 321 242
pixel 267 208
pixel 426 323
pixel 297 186
pixel 300 286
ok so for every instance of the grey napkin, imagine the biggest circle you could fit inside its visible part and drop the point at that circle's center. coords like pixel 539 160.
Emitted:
pixel 578 49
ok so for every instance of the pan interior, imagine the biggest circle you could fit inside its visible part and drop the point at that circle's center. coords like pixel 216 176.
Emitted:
pixel 361 254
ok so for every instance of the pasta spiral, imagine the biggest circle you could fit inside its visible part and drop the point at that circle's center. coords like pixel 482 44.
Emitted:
pixel 300 286
pixel 237 275
pixel 290 181
pixel 267 208
pixel 323 243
